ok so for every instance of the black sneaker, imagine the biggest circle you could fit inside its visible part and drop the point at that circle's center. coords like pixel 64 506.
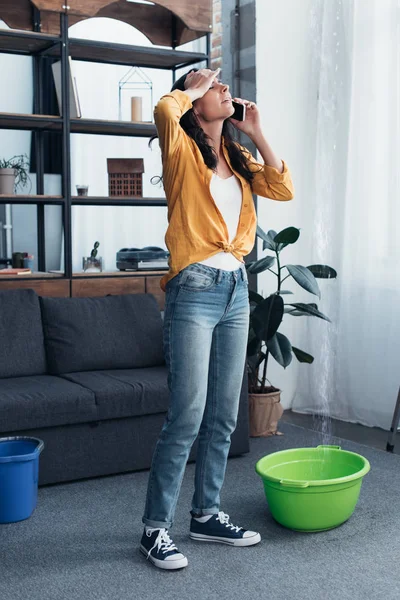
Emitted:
pixel 157 546
pixel 219 529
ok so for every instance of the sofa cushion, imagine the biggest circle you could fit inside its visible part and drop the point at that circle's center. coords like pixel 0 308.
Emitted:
pixel 44 401
pixel 109 332
pixel 126 392
pixel 22 350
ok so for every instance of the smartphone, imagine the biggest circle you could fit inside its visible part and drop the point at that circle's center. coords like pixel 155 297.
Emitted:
pixel 240 111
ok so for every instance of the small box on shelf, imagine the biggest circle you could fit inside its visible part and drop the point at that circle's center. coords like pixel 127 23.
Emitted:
pixel 125 177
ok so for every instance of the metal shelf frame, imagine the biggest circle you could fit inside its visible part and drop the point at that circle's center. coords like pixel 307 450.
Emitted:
pixel 39 45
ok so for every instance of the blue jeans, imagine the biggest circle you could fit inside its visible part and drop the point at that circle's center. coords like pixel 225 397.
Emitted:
pixel 206 322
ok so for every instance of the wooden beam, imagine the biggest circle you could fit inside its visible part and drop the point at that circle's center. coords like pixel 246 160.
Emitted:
pixel 195 15
pixel 155 22
pixel 17 14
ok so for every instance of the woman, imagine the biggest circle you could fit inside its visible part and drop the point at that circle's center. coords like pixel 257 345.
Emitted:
pixel 208 180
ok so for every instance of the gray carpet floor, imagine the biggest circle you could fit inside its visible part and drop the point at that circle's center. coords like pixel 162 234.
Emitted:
pixel 82 541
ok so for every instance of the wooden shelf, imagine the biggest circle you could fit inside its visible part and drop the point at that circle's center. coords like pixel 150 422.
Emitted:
pixel 122 54
pixel 94 126
pixel 118 273
pixel 30 199
pixel 100 127
pixel 34 275
pixel 30 122
pixel 25 42
pixel 116 201
pixel 28 43
pixel 82 200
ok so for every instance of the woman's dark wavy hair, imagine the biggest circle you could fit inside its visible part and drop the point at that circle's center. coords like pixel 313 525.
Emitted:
pixel 191 126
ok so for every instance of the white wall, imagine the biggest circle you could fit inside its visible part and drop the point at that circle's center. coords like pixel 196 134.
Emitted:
pixel 286 97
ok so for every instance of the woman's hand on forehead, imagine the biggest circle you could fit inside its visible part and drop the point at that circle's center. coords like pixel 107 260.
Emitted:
pixel 205 73
pixel 200 81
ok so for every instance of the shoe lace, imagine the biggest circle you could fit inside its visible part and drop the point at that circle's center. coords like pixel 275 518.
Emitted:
pixel 224 519
pixel 163 541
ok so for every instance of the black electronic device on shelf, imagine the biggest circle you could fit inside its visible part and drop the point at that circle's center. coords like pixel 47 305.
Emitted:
pixel 142 259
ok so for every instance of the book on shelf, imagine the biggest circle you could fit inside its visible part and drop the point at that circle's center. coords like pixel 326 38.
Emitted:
pixel 16 271
pixel 75 108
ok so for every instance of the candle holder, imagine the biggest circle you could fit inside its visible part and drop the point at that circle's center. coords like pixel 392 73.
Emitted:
pixel 141 103
pixel 82 190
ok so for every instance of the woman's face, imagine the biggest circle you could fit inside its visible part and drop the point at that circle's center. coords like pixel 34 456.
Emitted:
pixel 216 104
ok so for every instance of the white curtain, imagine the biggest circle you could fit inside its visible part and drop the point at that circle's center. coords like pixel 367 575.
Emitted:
pixel 355 221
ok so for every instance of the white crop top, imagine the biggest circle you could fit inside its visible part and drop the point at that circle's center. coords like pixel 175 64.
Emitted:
pixel 227 194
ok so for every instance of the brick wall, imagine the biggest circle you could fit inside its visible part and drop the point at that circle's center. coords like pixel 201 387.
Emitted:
pixel 216 36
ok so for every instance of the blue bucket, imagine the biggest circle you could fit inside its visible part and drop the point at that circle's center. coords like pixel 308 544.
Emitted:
pixel 19 474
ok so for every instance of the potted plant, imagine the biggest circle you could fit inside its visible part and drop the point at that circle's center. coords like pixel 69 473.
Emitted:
pixel 93 263
pixel 13 174
pixel 266 316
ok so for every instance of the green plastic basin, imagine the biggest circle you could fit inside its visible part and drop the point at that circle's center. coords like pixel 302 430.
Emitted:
pixel 312 489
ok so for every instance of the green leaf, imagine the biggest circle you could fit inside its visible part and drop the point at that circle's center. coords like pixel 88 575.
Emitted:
pixel 281 349
pixel 261 233
pixel 302 356
pixel 285 292
pixel 262 265
pixel 322 271
pixel 253 346
pixel 304 278
pixel 290 235
pixel 255 297
pixel 298 313
pixel 267 317
pixel 309 310
pixel 291 311
pixel 269 242
pixel 247 265
pixel 268 238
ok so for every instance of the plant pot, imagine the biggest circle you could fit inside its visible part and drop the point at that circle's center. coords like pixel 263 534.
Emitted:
pixel 265 410
pixel 7 182
pixel 92 264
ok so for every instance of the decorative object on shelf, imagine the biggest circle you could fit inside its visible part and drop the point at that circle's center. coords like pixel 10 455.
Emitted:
pixel 82 190
pixel 266 316
pixel 136 109
pixel 14 174
pixel 125 177
pixel 93 253
pixel 28 260
pixel 17 260
pixel 74 106
pixel 136 79
pixel 92 263
pixel 147 259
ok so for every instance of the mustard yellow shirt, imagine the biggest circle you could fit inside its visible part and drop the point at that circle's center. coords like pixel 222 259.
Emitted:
pixel 196 229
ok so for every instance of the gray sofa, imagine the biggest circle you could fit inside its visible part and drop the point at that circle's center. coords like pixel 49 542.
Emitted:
pixel 88 377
